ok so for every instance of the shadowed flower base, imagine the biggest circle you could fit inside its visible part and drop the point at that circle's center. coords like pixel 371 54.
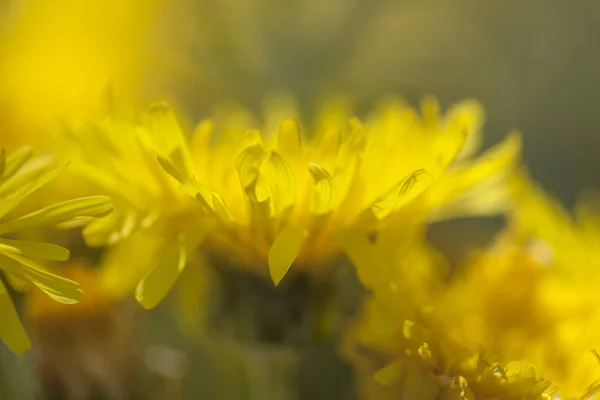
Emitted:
pixel 261 333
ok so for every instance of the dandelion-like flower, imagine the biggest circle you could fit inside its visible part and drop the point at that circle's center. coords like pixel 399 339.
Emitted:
pixel 520 320
pixel 21 174
pixel 271 199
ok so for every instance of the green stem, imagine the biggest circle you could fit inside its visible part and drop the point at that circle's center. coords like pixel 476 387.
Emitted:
pixel 270 374
pixel 253 371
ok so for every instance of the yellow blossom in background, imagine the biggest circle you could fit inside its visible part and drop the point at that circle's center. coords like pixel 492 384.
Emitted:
pixel 520 320
pixel 267 200
pixel 62 60
pixel 21 174
pixel 84 349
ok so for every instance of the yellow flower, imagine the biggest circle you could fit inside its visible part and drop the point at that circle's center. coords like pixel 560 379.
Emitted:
pixel 149 227
pixel 21 174
pixel 61 58
pixel 520 319
pixel 269 200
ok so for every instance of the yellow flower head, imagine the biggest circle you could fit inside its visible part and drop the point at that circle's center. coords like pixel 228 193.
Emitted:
pixel 520 319
pixel 279 197
pixel 21 174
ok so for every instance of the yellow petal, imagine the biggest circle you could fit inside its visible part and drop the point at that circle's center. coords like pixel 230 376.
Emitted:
pixel 103 231
pixel 199 192
pixel 462 130
pixel 158 282
pixel 11 329
pixel 95 206
pixel 371 267
pixel 166 128
pixel 283 252
pixel 43 251
pixel 172 169
pixel 60 289
pixel 290 141
pixel 12 200
pixel 200 142
pixel 160 279
pixel 404 191
pixel 126 263
pixel 200 147
pixel 16 160
pixel 482 177
pixel 323 195
pixel 276 180
pixel 247 164
pixel 31 170
pixel 220 208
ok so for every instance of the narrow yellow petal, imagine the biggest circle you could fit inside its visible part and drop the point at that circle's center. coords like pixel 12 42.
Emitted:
pixel 15 198
pixel 200 148
pixel 43 251
pixel 200 142
pixel 247 165
pixel 103 231
pixel 16 160
pixel 172 169
pixel 323 195
pixel 406 190
pixel 290 142
pixel 220 208
pixel 11 329
pixel 95 206
pixel 199 192
pixel 459 135
pixel 279 181
pixel 458 190
pixel 158 282
pixel 283 252
pixel 166 128
pixel 60 289
pixel 370 264
pixel 126 263
pixel 262 190
pixel 31 170
pixel 330 142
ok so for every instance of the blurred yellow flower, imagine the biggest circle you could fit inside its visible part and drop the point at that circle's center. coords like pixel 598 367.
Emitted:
pixel 81 350
pixel 520 320
pixel 62 58
pixel 21 174
pixel 268 200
